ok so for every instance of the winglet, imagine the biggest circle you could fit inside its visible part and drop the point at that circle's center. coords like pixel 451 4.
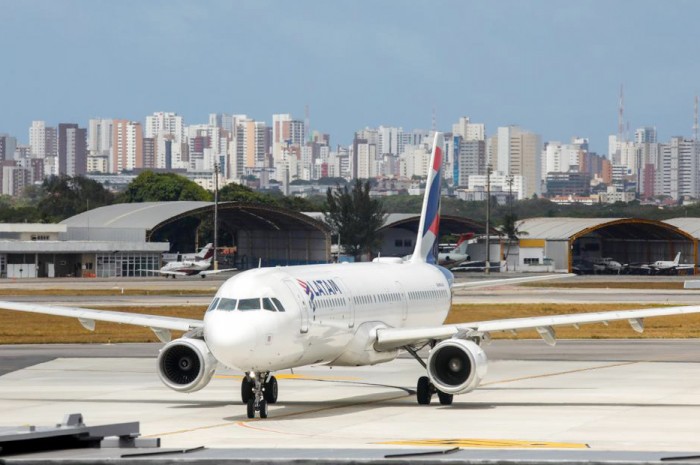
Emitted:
pixel 428 229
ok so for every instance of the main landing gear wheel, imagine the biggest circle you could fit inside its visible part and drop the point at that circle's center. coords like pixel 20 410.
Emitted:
pixel 270 392
pixel 445 399
pixel 246 389
pixel 424 391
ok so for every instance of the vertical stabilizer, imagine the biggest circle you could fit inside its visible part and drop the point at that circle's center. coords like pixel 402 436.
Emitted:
pixel 428 230
pixel 206 252
pixel 677 259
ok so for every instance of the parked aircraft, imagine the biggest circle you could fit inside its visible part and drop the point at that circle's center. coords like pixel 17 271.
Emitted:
pixel 199 266
pixel 456 255
pixel 662 266
pixel 270 319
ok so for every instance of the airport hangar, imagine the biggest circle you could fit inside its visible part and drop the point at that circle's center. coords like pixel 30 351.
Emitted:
pixel 563 242
pixel 399 231
pixel 126 240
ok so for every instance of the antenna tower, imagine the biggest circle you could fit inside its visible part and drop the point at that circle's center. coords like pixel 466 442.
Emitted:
pixel 434 120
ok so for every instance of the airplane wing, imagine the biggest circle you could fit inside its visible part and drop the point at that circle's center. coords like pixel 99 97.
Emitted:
pixel 208 272
pixel 87 317
pixel 393 338
pixel 508 281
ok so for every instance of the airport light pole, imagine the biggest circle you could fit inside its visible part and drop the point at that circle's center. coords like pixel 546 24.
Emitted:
pixel 487 269
pixel 216 215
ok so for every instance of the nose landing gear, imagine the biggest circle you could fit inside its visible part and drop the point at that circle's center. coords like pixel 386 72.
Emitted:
pixel 258 389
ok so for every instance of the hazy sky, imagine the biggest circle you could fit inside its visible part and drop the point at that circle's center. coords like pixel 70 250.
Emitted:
pixel 553 67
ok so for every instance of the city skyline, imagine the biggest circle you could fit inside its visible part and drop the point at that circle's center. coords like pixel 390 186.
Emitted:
pixel 553 70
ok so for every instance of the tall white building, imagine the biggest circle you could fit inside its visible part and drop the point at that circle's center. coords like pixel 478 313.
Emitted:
pixel 468 130
pixel 127 146
pixel 390 140
pixel 43 140
pixel 679 169
pixel 165 123
pixel 100 132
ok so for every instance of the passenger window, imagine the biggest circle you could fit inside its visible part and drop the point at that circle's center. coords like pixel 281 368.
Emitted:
pixel 249 304
pixel 268 305
pixel 226 304
pixel 278 304
pixel 213 303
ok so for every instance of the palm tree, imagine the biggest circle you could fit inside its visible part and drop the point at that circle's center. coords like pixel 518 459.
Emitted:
pixel 510 229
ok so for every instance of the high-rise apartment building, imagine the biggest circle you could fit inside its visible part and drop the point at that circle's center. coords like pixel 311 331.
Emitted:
pixel 679 168
pixel 468 130
pixel 72 149
pixel 514 151
pixel 127 146
pixel 469 159
pixel 100 135
pixel 165 123
pixel 43 140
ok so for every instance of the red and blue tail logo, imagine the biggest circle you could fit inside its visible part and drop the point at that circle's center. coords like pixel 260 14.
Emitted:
pixel 427 242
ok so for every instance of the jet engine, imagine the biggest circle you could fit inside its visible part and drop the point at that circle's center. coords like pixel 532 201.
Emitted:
pixel 186 365
pixel 456 366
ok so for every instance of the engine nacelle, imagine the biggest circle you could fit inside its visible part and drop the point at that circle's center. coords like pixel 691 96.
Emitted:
pixel 456 366
pixel 186 365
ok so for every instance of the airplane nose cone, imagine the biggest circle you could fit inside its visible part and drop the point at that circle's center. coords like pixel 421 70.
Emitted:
pixel 231 337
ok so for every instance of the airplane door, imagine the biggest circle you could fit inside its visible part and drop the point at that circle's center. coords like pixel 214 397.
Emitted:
pixel 404 303
pixel 302 303
pixel 348 298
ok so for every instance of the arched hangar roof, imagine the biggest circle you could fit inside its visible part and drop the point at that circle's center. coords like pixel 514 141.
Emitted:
pixel 149 216
pixel 558 228
pixel 453 224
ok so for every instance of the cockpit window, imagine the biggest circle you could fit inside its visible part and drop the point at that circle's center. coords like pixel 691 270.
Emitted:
pixel 213 303
pixel 226 304
pixel 249 304
pixel 267 305
pixel 278 304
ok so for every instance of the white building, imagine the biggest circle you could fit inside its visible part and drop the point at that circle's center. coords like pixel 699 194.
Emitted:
pixel 100 133
pixel 468 130
pixel 499 182
pixel 515 151
pixel 43 140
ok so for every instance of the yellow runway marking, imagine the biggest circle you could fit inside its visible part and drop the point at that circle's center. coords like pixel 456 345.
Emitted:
pixel 291 376
pixel 246 423
pixel 558 373
pixel 488 443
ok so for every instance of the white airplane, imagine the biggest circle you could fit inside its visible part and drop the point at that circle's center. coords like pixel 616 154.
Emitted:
pixel 458 254
pixel 270 319
pixel 198 266
pixel 661 266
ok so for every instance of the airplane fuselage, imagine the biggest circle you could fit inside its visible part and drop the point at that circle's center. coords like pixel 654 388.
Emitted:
pixel 329 313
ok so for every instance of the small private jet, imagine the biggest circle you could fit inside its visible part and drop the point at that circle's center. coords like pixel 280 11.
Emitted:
pixel 269 319
pixel 450 256
pixel 198 266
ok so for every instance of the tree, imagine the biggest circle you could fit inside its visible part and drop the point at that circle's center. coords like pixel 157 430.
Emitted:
pixel 65 196
pixel 355 217
pixel 163 187
pixel 510 229
pixel 239 193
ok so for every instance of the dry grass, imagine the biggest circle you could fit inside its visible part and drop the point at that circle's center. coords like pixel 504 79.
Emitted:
pixel 675 285
pixel 682 326
pixel 32 328
pixel 105 291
